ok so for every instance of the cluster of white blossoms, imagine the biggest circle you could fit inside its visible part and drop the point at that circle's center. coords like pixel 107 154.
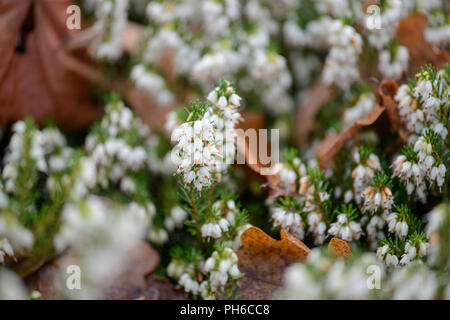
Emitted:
pixel 423 166
pixel 112 17
pixel 438 29
pixel 361 109
pixel 322 277
pixel 436 230
pixel 220 267
pixel 290 174
pixel 376 198
pixel 56 149
pixel 117 147
pixel 230 218
pixel 392 63
pixel 362 175
pixel 206 143
pixel 374 230
pixel 196 154
pixel 224 222
pixel 185 274
pixel 11 286
pixel 158 235
pixel 269 69
pixel 215 229
pixel 390 15
pixel 341 65
pixel 345 228
pixel 380 26
pixel 439 36
pixel 411 174
pixel 423 106
pixel 153 83
pixel 290 220
pixel 386 253
pixel 413 282
pixel 414 249
pixel 218 271
pixel 100 234
pixel 397 224
pixel 225 115
pixel 26 149
pixel 213 52
pixel 175 219
pixel 302 211
pixel 14 238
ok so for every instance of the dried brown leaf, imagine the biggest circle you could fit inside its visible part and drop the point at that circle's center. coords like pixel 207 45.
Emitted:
pixel 42 79
pixel 264 259
pixel 410 33
pixel 339 248
pixel 331 145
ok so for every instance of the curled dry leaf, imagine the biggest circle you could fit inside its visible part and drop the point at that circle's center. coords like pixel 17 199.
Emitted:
pixel 264 259
pixel 330 146
pixel 387 91
pixel 130 284
pixel 38 77
pixel 306 113
pixel 410 33
pixel 339 248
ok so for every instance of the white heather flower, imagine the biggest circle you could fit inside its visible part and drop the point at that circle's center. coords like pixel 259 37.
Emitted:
pixel 189 284
pixel 360 109
pixel 341 63
pixel 389 19
pixel 11 286
pixel 14 238
pixel 400 228
pixel 414 281
pixel 393 67
pixel 101 234
pixel 158 235
pixel 376 198
pixel 211 230
pixel 111 21
pixel 363 173
pixel 316 227
pixel 345 229
pixel 220 267
pixel 290 220
pixel 178 215
pixel 153 83
pixel 374 231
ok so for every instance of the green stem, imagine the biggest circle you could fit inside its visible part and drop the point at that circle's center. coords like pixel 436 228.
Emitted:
pixel 195 214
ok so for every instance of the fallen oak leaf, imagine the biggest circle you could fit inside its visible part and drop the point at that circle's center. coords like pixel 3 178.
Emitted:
pixel 339 248
pixel 330 146
pixel 38 78
pixel 263 260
